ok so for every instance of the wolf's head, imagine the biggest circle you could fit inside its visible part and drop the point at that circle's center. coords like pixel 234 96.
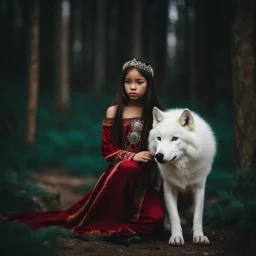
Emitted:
pixel 172 134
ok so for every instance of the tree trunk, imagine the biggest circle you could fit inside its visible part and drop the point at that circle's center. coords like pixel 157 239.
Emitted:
pixel 77 43
pixel 124 34
pixel 113 12
pixel 62 56
pixel 137 29
pixel 33 74
pixel 100 49
pixel 201 50
pixel 182 90
pixel 190 43
pixel 149 28
pixel 244 88
pixel 160 58
pixel 47 33
pixel 207 54
pixel 88 43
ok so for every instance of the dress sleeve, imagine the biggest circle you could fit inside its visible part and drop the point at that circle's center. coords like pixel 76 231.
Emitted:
pixel 111 153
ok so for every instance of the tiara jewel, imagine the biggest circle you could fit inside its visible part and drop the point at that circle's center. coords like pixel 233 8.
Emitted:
pixel 138 64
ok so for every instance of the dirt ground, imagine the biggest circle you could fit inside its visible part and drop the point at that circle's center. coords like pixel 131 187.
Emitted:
pixel 223 242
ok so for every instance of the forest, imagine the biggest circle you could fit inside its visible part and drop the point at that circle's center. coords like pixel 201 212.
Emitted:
pixel 60 66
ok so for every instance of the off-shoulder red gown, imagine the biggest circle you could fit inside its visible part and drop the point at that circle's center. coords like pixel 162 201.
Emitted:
pixel 121 201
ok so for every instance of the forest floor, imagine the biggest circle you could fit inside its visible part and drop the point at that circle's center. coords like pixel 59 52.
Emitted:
pixel 223 242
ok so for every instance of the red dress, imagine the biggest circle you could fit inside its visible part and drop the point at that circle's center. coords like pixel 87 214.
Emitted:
pixel 122 200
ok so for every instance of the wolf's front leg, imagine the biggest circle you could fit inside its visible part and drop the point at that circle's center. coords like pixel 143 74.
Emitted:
pixel 170 196
pixel 198 235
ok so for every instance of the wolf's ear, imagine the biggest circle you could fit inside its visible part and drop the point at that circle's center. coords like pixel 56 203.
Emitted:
pixel 158 116
pixel 186 119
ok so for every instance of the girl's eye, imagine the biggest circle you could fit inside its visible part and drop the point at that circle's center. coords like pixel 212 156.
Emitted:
pixel 140 82
pixel 127 82
pixel 174 138
pixel 159 138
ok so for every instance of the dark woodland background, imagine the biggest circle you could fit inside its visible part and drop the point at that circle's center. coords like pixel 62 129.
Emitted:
pixel 60 64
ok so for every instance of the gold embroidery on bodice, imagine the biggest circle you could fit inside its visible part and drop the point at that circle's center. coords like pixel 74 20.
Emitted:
pixel 132 136
pixel 132 128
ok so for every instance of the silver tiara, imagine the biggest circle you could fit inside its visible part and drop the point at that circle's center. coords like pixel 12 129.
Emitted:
pixel 138 64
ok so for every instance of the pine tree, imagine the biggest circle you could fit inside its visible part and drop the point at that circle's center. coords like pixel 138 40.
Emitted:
pixel 33 74
pixel 244 88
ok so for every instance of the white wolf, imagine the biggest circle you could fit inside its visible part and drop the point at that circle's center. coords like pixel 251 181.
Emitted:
pixel 184 147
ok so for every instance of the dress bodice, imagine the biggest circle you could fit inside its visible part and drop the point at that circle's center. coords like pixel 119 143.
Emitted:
pixel 132 128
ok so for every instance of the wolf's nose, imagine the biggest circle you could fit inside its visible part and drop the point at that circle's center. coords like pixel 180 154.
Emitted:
pixel 159 157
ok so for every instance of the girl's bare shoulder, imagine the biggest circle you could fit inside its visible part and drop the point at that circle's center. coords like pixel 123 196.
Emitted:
pixel 111 112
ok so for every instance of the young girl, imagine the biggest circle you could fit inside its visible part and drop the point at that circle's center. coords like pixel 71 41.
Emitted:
pixel 123 203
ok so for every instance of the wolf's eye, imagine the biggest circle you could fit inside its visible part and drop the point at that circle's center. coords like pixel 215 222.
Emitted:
pixel 174 138
pixel 159 138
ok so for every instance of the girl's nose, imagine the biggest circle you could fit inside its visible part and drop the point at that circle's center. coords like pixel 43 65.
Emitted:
pixel 133 86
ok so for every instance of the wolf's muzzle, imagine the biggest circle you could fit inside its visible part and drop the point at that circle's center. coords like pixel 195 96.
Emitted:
pixel 159 157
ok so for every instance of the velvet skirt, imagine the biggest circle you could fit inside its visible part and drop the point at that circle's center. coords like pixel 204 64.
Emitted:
pixel 115 205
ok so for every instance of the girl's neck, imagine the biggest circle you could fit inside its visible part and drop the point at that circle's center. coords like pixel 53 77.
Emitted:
pixel 132 110
pixel 135 104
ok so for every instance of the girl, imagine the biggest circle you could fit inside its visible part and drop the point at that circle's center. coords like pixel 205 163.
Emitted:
pixel 123 204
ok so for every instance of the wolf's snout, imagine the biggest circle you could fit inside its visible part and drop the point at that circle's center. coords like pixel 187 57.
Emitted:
pixel 159 157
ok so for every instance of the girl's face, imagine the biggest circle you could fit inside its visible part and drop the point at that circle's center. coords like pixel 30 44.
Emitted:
pixel 135 85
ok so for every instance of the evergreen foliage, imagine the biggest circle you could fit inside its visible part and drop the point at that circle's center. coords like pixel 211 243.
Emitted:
pixel 18 239
pixel 16 195
pixel 235 204
pixel 16 192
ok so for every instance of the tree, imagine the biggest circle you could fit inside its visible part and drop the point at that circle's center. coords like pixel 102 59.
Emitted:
pixel 137 29
pixel 190 48
pixel 77 43
pixel 156 30
pixel 62 55
pixel 124 34
pixel 161 43
pixel 244 88
pixel 33 74
pixel 100 48
pixel 88 44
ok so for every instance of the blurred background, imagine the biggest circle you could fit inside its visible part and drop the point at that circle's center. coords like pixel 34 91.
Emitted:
pixel 72 53
pixel 60 66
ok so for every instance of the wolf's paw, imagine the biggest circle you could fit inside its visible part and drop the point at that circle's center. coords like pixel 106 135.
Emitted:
pixel 202 240
pixel 176 241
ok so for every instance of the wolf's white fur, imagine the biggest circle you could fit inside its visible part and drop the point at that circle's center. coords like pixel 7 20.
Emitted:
pixel 186 163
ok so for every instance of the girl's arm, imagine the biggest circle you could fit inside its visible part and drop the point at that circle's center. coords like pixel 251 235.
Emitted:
pixel 111 153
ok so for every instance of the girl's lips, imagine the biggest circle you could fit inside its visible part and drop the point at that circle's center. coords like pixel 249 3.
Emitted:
pixel 133 94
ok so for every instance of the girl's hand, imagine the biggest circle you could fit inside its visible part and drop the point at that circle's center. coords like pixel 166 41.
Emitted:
pixel 143 156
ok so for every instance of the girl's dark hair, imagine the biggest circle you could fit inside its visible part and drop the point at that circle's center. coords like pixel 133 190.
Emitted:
pixel 149 101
